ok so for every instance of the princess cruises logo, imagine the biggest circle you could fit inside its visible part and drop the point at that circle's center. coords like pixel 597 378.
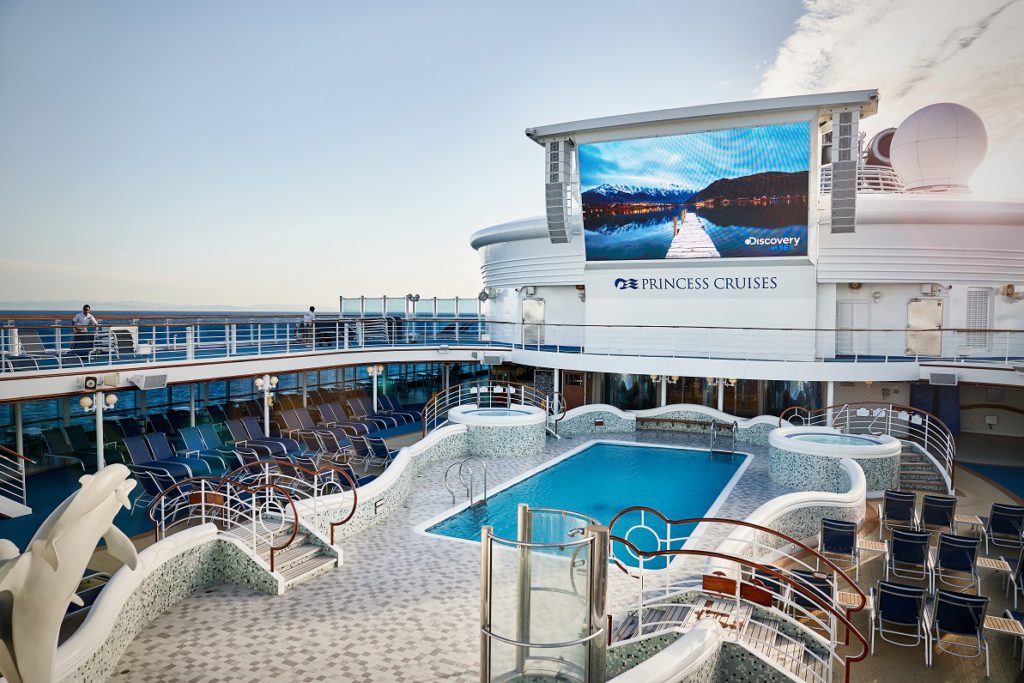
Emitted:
pixel 623 283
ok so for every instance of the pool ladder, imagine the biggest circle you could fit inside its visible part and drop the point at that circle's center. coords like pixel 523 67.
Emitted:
pixel 466 466
pixel 714 436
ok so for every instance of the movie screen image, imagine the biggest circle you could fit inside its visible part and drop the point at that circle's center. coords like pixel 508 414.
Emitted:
pixel 738 192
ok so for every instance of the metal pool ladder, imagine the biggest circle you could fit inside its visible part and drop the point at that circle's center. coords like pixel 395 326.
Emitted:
pixel 469 486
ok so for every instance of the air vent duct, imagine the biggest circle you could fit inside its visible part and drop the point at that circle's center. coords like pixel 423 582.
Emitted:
pixel 147 382
pixel 845 154
pixel 943 379
pixel 558 189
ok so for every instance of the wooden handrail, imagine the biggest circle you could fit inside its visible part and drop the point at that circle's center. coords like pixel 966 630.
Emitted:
pixel 10 452
pixel 797 585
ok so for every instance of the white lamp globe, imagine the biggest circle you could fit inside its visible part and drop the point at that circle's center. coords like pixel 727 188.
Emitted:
pixel 938 147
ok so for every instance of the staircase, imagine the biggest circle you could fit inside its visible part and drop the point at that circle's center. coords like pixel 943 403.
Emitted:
pixel 761 633
pixel 13 492
pixel 299 562
pixel 917 473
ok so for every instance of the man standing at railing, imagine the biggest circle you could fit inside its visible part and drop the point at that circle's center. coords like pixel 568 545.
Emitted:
pixel 309 324
pixel 81 340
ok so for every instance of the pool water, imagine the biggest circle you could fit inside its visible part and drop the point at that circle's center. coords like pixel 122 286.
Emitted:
pixel 602 480
pixel 834 439
pixel 496 412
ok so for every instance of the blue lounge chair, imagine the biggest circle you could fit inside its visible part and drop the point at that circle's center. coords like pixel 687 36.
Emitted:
pixel 962 616
pixel 907 557
pixel 240 437
pixel 838 542
pixel 129 427
pixel 333 415
pixel 161 447
pixel 898 615
pixel 362 410
pixel 213 442
pixel 380 454
pixel 937 513
pixel 255 432
pixel 824 585
pixel 1004 526
pixel 955 563
pixel 158 422
pixel 192 439
pixel 142 457
pixel 57 447
pixel 153 482
pixel 390 406
pixel 78 439
pixel 896 511
pixel 216 413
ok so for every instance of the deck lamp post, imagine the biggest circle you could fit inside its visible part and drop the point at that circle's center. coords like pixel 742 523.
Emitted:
pixel 96 405
pixel 374 371
pixel 266 384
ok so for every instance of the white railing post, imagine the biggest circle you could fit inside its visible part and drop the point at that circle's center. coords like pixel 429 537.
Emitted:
pixel 190 343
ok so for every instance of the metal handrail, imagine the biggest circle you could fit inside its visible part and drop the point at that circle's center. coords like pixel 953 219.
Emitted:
pixel 231 517
pixel 933 437
pixel 813 595
pixel 479 392
pixel 315 485
pixel 12 476
pixel 10 452
pixel 472 476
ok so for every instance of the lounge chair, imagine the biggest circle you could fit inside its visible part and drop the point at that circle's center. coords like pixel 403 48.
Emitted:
pixel 1003 526
pixel 158 422
pixel 57 447
pixel 161 448
pixel 153 482
pixel 896 511
pixel 390 406
pixel 33 351
pixel 333 415
pixel 824 585
pixel 898 615
pixel 142 458
pixel 240 437
pixel 78 439
pixel 129 427
pixel 838 542
pixel 298 420
pixel 381 455
pixel 212 441
pixel 962 616
pixel 1018 617
pixel 907 557
pixel 362 410
pixel 937 513
pixel 216 413
pixel 955 563
pixel 194 445
pixel 255 431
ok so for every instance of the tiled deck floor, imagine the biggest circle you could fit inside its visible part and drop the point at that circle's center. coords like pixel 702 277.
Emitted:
pixel 403 607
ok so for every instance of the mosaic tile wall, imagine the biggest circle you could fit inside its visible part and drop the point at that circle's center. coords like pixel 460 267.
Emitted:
pixel 622 658
pixel 755 433
pixel 214 562
pixel 823 473
pixel 580 424
pixel 506 442
pixel 737 665
pixel 372 510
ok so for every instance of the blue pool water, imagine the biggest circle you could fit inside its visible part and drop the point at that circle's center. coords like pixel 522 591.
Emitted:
pixel 834 439
pixel 601 480
pixel 496 412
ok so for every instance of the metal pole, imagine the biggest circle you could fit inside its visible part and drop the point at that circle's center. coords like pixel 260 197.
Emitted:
pixel 523 587
pixel 98 398
pixel 374 373
pixel 65 405
pixel 664 391
pixel 142 404
pixel 191 405
pixel 556 383
pixel 830 399
pixel 305 392
pixel 721 394
pixel 485 603
pixel 19 432
pixel 597 648
pixel 266 404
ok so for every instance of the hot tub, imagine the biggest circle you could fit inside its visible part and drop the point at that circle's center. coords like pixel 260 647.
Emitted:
pixel 502 431
pixel 806 458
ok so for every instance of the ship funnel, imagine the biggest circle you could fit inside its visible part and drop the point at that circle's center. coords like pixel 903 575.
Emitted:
pixel 878 148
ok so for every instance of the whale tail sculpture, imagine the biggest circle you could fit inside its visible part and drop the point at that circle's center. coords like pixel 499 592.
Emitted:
pixel 36 586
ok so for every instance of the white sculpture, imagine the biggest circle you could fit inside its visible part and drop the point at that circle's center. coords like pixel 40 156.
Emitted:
pixel 36 587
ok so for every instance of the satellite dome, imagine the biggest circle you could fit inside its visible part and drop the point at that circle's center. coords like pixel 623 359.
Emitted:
pixel 938 147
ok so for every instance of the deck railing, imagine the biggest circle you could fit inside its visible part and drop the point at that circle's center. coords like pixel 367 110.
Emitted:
pixel 490 394
pixel 12 475
pixel 32 344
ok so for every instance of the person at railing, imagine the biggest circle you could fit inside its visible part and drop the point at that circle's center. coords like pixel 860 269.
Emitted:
pixel 82 339
pixel 308 326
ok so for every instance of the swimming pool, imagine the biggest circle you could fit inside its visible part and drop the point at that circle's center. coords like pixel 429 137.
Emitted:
pixel 601 479
pixel 833 439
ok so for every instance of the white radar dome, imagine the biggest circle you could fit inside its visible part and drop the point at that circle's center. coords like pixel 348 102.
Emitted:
pixel 939 147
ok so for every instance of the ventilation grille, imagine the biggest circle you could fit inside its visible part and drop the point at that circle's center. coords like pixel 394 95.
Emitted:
pixel 979 312
pixel 844 171
pixel 558 189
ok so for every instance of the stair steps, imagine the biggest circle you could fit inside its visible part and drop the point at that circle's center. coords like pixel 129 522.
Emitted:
pixel 917 473
pixel 302 560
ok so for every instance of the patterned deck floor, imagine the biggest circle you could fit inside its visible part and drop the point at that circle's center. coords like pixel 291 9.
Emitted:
pixel 403 607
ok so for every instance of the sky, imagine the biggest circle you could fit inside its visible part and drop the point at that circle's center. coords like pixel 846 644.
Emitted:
pixel 695 160
pixel 279 154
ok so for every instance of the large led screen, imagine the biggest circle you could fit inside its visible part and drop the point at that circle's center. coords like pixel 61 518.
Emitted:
pixel 731 193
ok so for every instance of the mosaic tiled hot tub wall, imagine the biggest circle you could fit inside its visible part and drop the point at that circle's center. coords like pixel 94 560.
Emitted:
pixel 822 472
pixel 582 420
pixel 208 562
pixel 385 494
pixel 505 442
pixel 753 431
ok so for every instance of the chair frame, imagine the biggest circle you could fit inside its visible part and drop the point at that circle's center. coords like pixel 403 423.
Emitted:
pixel 844 560
pixel 908 570
pixel 1009 513
pixel 965 602
pixel 893 497
pixel 955 578
pixel 898 637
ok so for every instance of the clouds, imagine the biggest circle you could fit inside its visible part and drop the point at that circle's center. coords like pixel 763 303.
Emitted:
pixel 917 52
pixel 694 160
